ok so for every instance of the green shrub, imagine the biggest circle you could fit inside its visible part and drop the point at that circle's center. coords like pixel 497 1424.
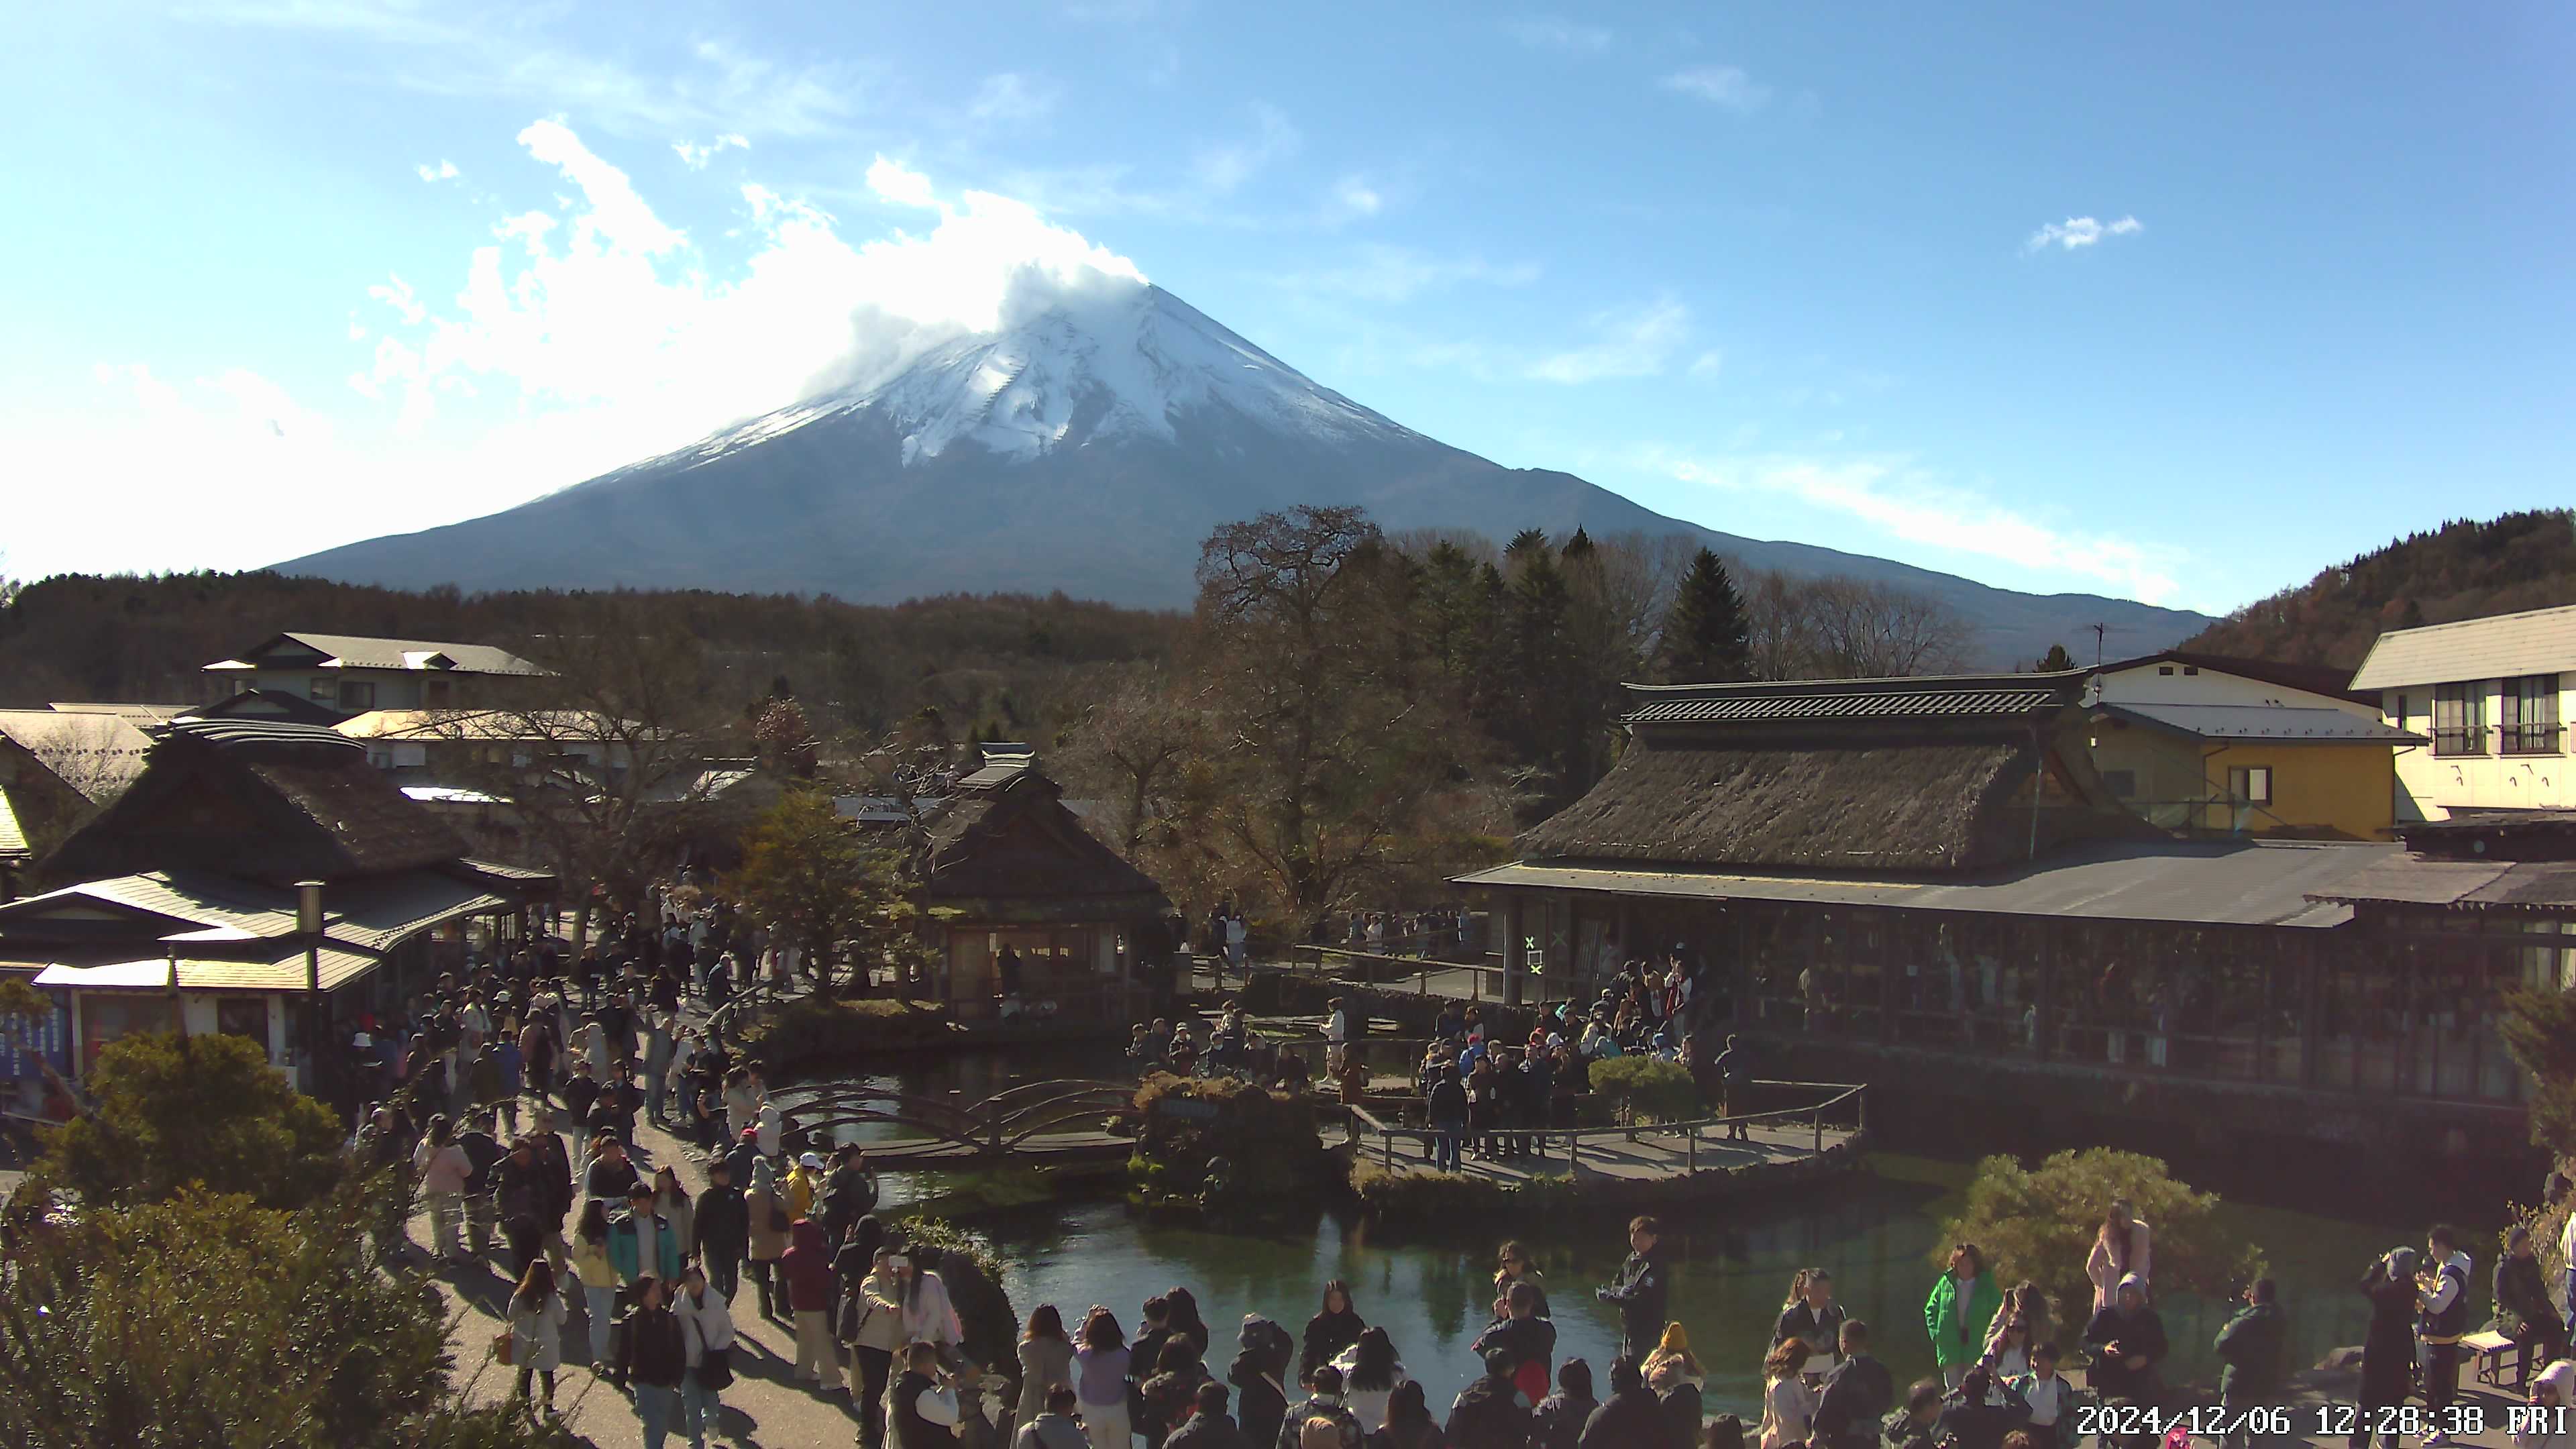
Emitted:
pixel 812 1030
pixel 1268 1137
pixel 973 1273
pixel 1426 1198
pixel 1647 1089
pixel 2040 1225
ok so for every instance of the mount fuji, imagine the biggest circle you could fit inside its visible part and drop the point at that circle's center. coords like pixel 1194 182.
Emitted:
pixel 1088 447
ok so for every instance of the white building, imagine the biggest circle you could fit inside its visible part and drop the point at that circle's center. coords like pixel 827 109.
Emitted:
pixel 2493 696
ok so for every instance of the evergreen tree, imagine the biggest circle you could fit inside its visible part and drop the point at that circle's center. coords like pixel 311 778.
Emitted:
pixel 2056 659
pixel 1704 635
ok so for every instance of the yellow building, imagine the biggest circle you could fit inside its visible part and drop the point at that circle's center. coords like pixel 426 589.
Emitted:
pixel 2219 746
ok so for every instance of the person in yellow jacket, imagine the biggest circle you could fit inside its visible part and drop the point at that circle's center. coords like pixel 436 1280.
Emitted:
pixel 804 1186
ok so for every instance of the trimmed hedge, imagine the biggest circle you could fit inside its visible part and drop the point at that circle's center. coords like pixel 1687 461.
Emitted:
pixel 1268 1138
pixel 1429 1198
pixel 1647 1089
pixel 811 1030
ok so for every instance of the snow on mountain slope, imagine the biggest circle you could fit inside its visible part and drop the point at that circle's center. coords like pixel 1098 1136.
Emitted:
pixel 1119 362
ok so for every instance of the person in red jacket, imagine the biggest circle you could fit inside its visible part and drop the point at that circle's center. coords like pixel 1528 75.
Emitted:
pixel 808 1263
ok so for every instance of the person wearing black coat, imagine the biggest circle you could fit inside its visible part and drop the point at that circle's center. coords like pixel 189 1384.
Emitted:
pixel 1857 1394
pixel 1329 1332
pixel 722 1229
pixel 2127 1372
pixel 652 1358
pixel 1641 1291
pixel 1972 1420
pixel 1259 1374
pixel 2523 1310
pixel 1557 1422
pixel 1488 1412
pixel 2388 1345
pixel 523 1203
pixel 1631 1418
pixel 1208 1426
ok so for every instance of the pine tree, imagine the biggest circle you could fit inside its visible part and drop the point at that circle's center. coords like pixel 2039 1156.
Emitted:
pixel 2056 659
pixel 1704 635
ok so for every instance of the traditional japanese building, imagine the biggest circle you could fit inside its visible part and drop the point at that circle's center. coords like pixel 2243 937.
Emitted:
pixel 1928 881
pixel 1038 915
pixel 256 879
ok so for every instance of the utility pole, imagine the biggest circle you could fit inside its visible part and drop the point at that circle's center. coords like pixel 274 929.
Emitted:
pixel 2098 631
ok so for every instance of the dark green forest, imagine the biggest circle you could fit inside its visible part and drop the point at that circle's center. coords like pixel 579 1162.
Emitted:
pixel 2464 569
pixel 1000 664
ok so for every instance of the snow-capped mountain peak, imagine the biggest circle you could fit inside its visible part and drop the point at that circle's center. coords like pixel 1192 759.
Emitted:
pixel 1121 361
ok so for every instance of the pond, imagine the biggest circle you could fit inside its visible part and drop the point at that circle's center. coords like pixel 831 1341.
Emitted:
pixel 1874 1231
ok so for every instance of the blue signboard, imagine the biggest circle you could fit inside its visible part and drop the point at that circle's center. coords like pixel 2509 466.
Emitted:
pixel 23 1041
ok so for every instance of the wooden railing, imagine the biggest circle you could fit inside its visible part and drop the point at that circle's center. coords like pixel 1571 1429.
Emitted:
pixel 1836 1096
pixel 994 1126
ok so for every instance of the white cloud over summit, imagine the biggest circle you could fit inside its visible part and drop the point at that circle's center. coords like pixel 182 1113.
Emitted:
pixel 581 337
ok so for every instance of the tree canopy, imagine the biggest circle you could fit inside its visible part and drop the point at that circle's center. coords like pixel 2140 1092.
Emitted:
pixel 1705 636
pixel 817 881
pixel 2039 1224
pixel 2463 570
pixel 204 1113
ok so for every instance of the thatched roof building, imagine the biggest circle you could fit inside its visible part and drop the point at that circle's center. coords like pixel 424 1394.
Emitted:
pixel 1936 774
pixel 263 801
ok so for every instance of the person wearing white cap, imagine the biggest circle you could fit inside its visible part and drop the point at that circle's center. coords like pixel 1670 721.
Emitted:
pixel 804 1186
pixel 2554 1393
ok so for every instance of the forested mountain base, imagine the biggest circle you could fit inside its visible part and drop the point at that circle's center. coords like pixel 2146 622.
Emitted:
pixel 2462 570
pixel 1006 663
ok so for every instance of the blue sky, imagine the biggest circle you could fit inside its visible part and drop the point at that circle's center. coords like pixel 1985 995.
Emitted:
pixel 2180 302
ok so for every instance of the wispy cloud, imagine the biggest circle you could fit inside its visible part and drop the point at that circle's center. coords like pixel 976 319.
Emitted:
pixel 901 184
pixel 503 53
pixel 1383 273
pixel 1708 364
pixel 1637 342
pixel 1223 166
pixel 697 157
pixel 1555 32
pixel 1723 85
pixel 1010 96
pixel 1904 501
pixel 443 171
pixel 2080 231
pixel 1352 197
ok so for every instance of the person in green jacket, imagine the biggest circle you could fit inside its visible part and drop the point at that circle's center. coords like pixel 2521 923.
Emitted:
pixel 2250 1348
pixel 1960 1310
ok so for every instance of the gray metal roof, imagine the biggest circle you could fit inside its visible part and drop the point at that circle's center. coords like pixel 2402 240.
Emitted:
pixel 2263 883
pixel 2504 646
pixel 2547 886
pixel 357 651
pixel 2264 722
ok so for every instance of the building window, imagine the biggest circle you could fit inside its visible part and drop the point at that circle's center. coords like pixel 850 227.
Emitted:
pixel 2529 715
pixel 318 689
pixel 2123 783
pixel 357 695
pixel 2460 719
pixel 2190 669
pixel 2250 784
pixel 2164 669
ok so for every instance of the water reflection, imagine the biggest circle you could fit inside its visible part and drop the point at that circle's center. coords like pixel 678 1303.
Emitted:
pixel 1874 1230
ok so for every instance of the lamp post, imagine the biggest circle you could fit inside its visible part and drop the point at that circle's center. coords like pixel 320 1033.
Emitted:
pixel 308 921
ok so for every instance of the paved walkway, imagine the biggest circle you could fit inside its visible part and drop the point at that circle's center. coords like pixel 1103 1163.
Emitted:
pixel 761 1409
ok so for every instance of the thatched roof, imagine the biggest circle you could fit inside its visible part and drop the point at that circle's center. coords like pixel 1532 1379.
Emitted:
pixel 1017 841
pixel 262 801
pixel 1844 775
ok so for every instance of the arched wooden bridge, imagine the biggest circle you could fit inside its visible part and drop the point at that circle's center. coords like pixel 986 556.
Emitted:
pixel 1037 1123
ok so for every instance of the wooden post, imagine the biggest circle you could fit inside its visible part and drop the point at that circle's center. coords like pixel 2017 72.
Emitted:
pixel 1816 1119
pixel 1387 1147
pixel 1691 1158
pixel 1574 1154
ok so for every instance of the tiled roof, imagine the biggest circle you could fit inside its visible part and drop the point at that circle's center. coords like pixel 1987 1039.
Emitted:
pixel 1856 704
pixel 13 840
pixel 283 971
pixel 2504 646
